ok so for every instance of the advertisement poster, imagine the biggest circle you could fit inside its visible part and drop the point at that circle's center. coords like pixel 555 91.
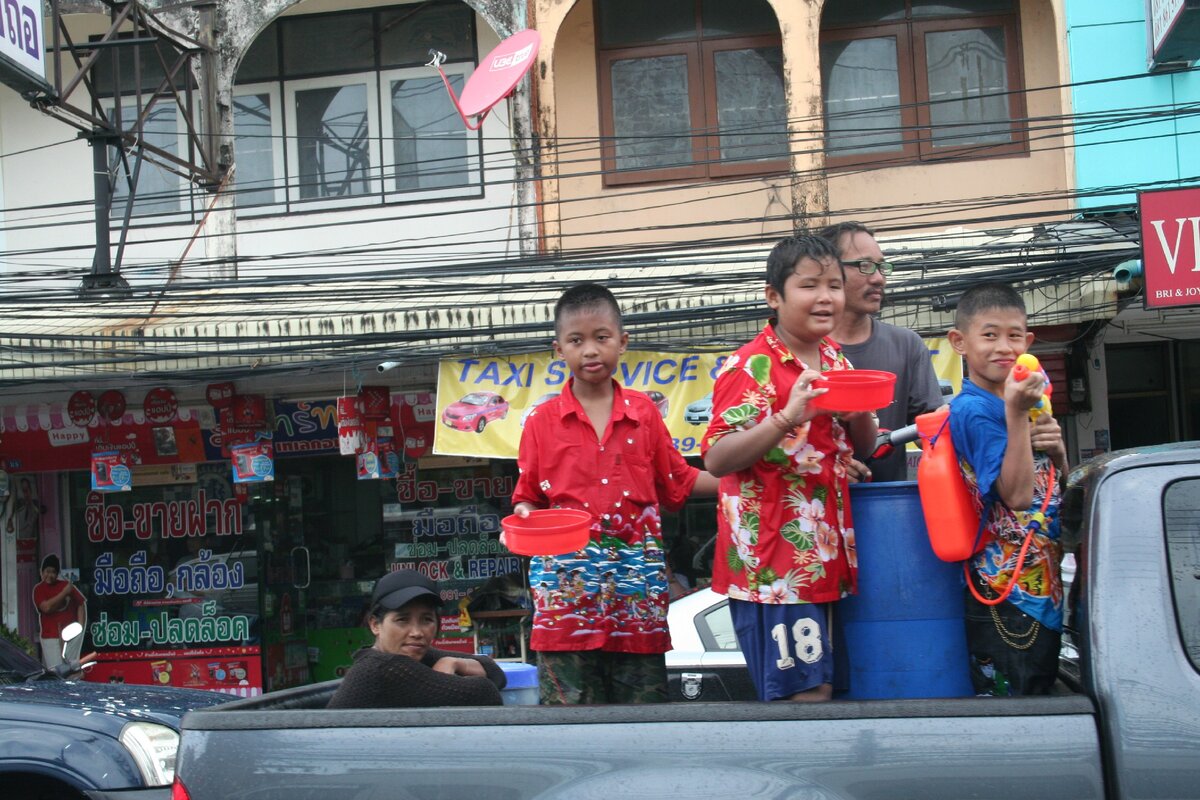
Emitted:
pixel 253 462
pixel 482 403
pixel 232 670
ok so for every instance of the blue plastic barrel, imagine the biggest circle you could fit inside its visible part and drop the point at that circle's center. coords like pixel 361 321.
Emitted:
pixel 522 688
pixel 903 633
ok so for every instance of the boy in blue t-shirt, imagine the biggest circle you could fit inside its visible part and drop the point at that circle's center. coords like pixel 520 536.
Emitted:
pixel 1012 466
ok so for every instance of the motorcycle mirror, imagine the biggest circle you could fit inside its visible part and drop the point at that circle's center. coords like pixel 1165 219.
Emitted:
pixel 72 631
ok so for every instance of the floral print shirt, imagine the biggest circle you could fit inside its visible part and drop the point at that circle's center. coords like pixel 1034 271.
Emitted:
pixel 612 595
pixel 784 529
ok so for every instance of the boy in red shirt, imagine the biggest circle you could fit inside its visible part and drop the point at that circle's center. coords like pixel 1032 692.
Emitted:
pixel 785 537
pixel 58 603
pixel 600 615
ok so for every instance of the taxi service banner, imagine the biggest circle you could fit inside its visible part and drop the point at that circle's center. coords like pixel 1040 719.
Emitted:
pixel 482 402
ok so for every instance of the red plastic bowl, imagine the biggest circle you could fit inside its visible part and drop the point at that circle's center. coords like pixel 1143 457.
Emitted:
pixel 855 390
pixel 547 531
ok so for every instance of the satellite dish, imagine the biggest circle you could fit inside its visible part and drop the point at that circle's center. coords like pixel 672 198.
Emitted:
pixel 495 77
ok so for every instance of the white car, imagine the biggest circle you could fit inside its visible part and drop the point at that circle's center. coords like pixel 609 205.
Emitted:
pixel 705 662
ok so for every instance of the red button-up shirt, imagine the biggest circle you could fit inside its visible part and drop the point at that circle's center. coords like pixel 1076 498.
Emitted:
pixel 613 594
pixel 784 530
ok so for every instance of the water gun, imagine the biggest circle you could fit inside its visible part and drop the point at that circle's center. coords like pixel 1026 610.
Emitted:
pixel 1026 365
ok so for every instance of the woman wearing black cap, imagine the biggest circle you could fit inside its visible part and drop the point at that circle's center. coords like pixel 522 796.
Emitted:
pixel 402 669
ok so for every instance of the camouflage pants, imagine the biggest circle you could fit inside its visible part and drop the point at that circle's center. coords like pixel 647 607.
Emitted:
pixel 598 676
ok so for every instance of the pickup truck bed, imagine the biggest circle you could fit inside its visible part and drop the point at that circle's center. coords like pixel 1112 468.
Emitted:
pixel 1125 726
pixel 862 749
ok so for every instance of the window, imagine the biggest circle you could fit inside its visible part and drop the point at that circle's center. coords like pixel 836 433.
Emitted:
pixel 122 71
pixel 158 190
pixel 690 89
pixel 340 109
pixel 1181 508
pixel 908 80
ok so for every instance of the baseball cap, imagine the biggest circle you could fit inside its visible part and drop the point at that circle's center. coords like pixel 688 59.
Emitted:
pixel 399 588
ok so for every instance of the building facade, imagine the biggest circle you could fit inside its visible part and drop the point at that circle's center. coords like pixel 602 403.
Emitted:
pixel 357 224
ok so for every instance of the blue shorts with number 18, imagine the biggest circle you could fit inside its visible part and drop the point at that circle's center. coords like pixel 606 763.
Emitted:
pixel 786 646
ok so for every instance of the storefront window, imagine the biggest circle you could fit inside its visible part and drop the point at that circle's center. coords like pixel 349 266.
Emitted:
pixel 171 576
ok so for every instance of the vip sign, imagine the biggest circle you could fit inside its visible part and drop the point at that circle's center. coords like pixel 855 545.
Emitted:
pixel 1171 246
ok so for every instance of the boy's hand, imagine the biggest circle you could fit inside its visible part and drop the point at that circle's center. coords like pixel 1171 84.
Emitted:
pixel 1046 435
pixel 520 510
pixel 1024 394
pixel 797 408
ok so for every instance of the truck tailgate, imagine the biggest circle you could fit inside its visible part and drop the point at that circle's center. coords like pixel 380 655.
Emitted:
pixel 965 748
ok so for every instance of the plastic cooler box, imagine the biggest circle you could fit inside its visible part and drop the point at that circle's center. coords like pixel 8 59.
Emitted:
pixel 522 688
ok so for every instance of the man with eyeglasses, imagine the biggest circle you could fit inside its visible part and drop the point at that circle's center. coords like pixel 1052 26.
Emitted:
pixel 872 344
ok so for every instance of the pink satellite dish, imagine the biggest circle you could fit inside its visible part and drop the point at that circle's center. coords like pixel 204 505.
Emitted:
pixel 495 77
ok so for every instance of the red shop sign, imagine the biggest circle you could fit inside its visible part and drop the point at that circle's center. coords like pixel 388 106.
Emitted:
pixel 1171 246
pixel 160 406
pixel 112 405
pixel 81 408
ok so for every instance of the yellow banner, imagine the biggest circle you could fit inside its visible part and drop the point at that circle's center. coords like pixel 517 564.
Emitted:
pixel 482 401
pixel 947 364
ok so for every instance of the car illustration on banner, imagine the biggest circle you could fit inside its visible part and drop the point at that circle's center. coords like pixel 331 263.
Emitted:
pixel 474 411
pixel 699 412
pixel 529 410
pixel 661 402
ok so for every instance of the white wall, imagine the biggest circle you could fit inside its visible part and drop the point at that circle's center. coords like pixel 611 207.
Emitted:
pixel 64 173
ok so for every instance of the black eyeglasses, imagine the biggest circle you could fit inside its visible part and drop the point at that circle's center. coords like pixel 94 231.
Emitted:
pixel 868 267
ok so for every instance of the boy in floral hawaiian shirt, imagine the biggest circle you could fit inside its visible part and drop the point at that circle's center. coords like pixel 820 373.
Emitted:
pixel 785 537
pixel 1011 466
pixel 601 448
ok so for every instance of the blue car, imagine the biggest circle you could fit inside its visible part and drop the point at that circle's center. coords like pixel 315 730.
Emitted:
pixel 72 739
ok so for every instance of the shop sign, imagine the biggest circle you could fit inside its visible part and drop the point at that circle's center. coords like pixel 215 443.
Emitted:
pixel 164 474
pixel 1173 32
pixel 176 519
pixel 220 395
pixel 22 49
pixel 81 408
pixel 111 405
pixel 312 427
pixel 1170 221
pixel 160 406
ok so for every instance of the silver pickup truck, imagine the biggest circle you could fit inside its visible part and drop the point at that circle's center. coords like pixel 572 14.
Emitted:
pixel 1125 722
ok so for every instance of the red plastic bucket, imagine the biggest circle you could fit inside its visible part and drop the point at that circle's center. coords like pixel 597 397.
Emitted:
pixel 855 390
pixel 547 531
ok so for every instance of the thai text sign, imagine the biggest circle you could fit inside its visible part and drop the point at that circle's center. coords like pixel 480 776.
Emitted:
pixel 22 54
pixel 1171 246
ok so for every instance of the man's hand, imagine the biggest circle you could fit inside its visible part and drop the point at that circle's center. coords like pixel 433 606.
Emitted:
pixel 460 666
pixel 857 471
pixel 1046 435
